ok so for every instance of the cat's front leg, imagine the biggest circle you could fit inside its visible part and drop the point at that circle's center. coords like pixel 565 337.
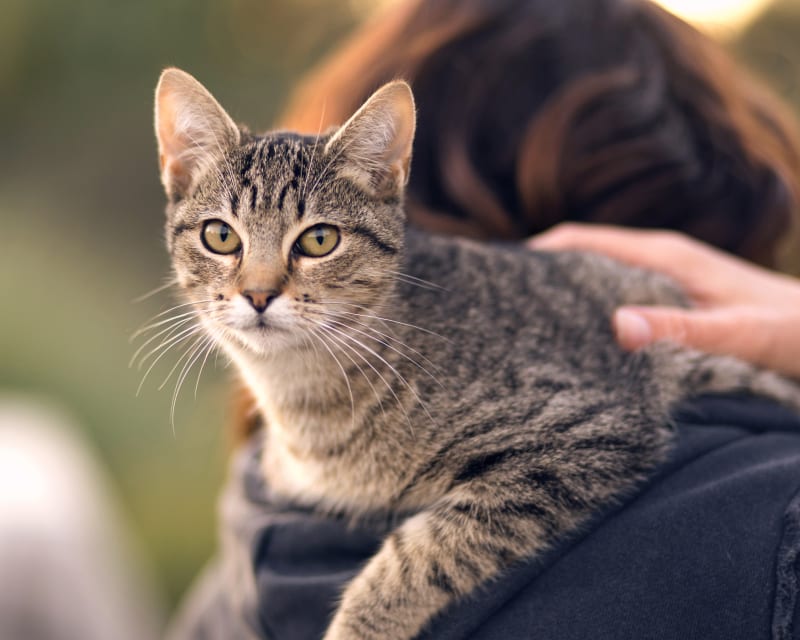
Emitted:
pixel 430 561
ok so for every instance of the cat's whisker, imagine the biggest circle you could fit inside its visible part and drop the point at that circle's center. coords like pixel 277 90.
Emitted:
pixel 171 283
pixel 313 344
pixel 345 303
pixel 352 309
pixel 171 309
pixel 387 336
pixel 368 312
pixel 171 337
pixel 411 283
pixel 166 347
pixel 220 334
pixel 346 380
pixel 418 282
pixel 399 375
pixel 194 357
pixel 212 345
pixel 187 353
pixel 405 324
pixel 179 318
pixel 344 345
pixel 169 331
pixel 386 383
pixel 160 323
pixel 388 346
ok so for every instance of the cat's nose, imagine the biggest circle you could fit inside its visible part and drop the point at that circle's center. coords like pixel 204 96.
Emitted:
pixel 259 299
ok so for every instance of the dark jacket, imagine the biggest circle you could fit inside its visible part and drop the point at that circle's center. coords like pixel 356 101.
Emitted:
pixel 708 549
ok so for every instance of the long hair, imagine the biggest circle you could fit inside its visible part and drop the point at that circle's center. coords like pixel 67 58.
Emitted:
pixel 532 112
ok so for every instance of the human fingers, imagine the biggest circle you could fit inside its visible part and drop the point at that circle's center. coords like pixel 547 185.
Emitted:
pixel 767 339
pixel 654 249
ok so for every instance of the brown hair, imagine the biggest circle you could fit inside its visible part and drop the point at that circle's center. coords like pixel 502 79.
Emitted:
pixel 532 112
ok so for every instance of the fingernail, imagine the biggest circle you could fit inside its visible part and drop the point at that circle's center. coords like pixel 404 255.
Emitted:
pixel 632 329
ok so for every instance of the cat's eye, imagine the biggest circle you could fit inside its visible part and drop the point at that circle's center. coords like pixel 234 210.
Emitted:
pixel 318 241
pixel 220 238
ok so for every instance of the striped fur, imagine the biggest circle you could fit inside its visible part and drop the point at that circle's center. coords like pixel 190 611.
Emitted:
pixel 474 393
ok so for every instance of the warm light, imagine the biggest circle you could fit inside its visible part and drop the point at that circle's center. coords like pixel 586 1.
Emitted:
pixel 725 17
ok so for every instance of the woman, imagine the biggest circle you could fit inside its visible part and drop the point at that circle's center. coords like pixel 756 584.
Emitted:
pixel 532 113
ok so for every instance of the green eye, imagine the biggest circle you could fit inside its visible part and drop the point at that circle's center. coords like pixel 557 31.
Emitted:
pixel 220 238
pixel 318 241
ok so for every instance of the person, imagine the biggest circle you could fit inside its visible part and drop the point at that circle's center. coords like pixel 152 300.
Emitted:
pixel 533 113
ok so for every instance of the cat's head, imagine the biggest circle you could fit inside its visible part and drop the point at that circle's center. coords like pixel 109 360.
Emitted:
pixel 272 235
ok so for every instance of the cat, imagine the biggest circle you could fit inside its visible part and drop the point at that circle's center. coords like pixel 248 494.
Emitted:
pixel 474 392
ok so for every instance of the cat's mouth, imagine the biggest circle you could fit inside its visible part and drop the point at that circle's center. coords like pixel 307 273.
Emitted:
pixel 258 329
pixel 261 336
pixel 262 326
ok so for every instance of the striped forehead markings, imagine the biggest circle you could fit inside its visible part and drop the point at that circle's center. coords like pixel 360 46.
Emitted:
pixel 248 179
pixel 253 175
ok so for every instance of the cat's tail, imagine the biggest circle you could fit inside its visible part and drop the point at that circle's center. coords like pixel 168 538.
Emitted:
pixel 684 373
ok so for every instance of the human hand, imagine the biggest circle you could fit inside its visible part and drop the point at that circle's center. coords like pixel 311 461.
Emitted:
pixel 739 309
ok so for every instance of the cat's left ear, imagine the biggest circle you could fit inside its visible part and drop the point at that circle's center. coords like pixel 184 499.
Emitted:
pixel 193 131
pixel 376 141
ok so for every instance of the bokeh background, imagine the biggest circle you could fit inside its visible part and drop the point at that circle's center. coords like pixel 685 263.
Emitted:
pixel 81 216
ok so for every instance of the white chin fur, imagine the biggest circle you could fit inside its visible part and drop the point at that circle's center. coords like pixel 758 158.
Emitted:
pixel 264 334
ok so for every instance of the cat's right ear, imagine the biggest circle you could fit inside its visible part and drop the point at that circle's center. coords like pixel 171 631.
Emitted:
pixel 193 131
pixel 376 141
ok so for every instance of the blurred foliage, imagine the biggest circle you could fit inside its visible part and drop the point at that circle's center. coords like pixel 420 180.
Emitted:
pixel 771 48
pixel 80 196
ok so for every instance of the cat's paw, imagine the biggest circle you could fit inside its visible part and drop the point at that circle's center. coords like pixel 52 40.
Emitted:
pixel 340 629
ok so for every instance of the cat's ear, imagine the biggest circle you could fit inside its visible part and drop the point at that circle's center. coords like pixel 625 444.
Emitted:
pixel 376 141
pixel 193 131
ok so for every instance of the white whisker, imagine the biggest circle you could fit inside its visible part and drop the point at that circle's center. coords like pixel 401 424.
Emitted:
pixel 171 283
pixel 155 325
pixel 169 331
pixel 187 367
pixel 420 282
pixel 167 341
pixel 166 347
pixel 399 376
pixel 177 306
pixel 212 345
pixel 388 346
pixel 405 324
pixel 346 379
pixel 344 345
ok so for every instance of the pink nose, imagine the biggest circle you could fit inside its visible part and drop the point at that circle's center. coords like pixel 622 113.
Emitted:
pixel 259 299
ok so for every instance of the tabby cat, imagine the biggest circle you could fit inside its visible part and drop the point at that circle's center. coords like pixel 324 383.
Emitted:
pixel 473 392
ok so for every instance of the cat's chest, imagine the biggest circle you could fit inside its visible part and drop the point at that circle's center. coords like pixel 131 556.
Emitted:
pixel 336 483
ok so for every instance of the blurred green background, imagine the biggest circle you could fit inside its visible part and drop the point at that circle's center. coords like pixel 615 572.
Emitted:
pixel 81 210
